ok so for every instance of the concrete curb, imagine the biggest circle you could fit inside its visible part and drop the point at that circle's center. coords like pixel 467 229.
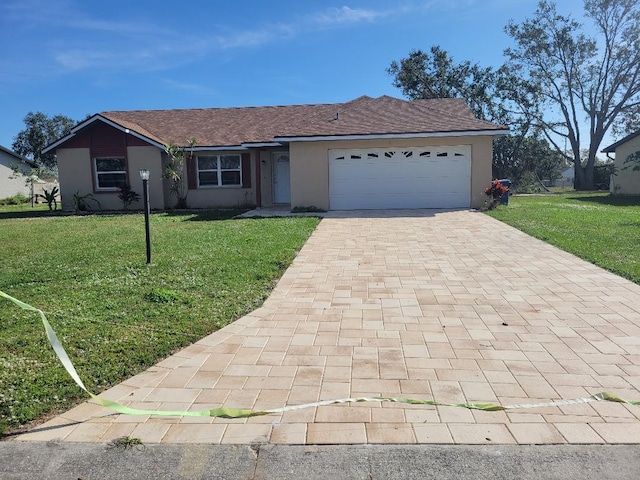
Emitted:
pixel 88 461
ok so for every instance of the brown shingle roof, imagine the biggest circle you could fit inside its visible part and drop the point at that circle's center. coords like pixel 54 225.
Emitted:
pixel 362 116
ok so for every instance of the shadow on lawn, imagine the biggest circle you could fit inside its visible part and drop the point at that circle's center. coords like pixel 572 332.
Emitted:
pixel 189 215
pixel 618 200
pixel 33 214
pixel 204 215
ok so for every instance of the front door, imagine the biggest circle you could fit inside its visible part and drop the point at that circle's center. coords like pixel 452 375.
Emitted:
pixel 281 177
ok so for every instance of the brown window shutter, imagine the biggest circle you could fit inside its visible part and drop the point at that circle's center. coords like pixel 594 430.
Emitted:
pixel 246 170
pixel 192 180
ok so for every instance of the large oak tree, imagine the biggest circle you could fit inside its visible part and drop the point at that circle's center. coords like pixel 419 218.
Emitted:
pixel 589 83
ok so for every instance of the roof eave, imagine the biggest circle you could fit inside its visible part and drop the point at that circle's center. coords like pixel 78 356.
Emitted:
pixel 209 148
pixel 612 148
pixel 243 147
pixel 375 136
pixel 31 163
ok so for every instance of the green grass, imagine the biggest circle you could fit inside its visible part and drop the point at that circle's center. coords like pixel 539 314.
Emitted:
pixel 597 227
pixel 114 314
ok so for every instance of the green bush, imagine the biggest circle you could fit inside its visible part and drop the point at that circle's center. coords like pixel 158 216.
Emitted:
pixel 601 173
pixel 307 209
pixel 17 199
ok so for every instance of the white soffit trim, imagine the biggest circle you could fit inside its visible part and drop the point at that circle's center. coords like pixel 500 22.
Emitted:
pixel 217 148
pixel 472 133
pixel 100 118
pixel 262 144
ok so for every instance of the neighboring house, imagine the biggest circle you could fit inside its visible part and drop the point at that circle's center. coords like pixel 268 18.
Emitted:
pixel 564 180
pixel 566 177
pixel 368 153
pixel 11 184
pixel 625 181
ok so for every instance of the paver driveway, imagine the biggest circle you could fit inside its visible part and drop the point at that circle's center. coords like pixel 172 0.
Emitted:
pixel 445 305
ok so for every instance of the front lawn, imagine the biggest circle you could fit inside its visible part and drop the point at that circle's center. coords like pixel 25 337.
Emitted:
pixel 114 314
pixel 597 227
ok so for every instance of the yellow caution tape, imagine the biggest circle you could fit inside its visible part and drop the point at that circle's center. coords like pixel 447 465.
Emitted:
pixel 236 413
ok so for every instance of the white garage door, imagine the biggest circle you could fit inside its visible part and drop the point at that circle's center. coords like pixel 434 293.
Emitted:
pixel 376 178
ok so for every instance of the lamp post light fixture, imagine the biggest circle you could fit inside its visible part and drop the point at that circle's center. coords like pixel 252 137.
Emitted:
pixel 144 175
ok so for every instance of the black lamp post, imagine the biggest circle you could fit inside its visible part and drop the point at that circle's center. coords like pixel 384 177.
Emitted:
pixel 144 175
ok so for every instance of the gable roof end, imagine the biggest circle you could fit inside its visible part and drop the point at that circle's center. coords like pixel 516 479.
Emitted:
pixel 135 130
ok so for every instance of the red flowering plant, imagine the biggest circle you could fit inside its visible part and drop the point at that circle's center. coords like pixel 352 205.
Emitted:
pixel 494 192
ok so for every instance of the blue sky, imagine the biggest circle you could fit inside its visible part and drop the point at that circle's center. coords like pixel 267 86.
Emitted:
pixel 77 57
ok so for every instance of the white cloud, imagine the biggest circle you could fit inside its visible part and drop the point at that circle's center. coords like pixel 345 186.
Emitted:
pixel 335 17
pixel 79 59
pixel 200 90
pixel 63 14
pixel 252 38
pixel 78 41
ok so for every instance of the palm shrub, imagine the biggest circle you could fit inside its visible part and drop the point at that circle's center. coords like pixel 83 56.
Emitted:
pixel 50 197
pixel 127 196
pixel 83 202
pixel 174 171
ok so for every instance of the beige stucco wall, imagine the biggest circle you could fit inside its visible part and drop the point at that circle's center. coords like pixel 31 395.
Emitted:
pixel 75 175
pixel 626 182
pixel 144 158
pixel 10 184
pixel 310 165
pixel 481 159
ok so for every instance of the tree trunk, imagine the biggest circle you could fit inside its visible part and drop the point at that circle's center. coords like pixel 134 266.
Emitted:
pixel 583 177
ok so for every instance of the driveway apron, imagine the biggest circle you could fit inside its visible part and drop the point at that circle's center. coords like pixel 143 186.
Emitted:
pixel 450 306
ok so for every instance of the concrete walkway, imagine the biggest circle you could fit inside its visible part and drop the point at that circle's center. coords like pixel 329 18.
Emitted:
pixel 445 305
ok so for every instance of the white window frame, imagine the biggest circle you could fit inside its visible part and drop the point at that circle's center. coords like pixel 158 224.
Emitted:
pixel 97 173
pixel 219 170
